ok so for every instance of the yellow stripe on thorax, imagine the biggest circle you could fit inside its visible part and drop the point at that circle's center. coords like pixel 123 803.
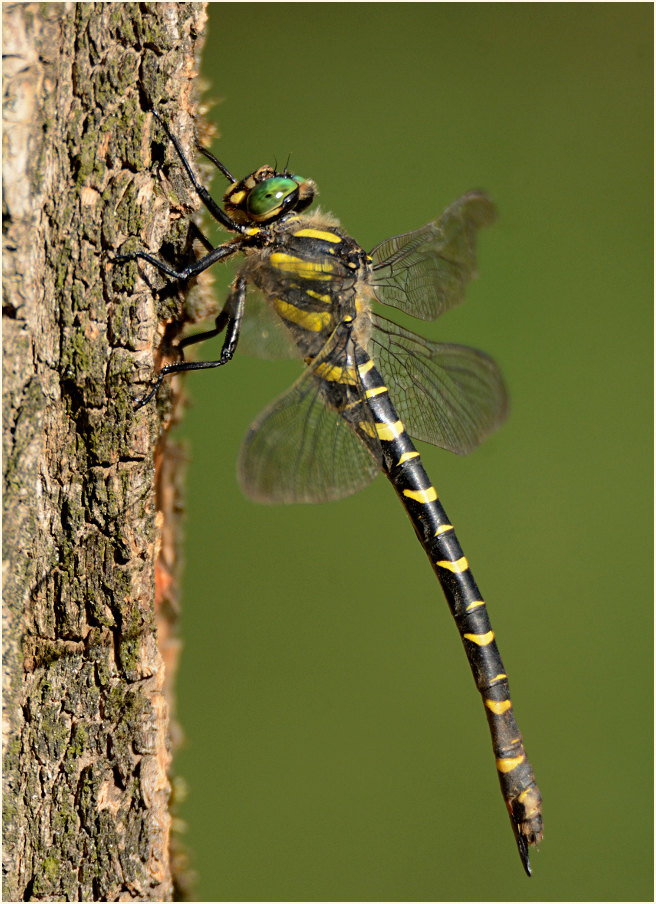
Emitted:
pixel 326 299
pixel 288 263
pixel 317 234
pixel 308 320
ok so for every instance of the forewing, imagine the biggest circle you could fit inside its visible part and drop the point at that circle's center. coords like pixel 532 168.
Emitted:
pixel 424 273
pixel 449 395
pixel 262 333
pixel 300 449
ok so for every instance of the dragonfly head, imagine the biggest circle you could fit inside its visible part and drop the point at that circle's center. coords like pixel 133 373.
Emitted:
pixel 267 195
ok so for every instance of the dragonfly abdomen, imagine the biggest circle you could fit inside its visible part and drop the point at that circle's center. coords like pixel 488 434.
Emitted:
pixel 402 465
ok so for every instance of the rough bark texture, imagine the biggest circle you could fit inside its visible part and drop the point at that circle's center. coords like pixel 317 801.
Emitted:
pixel 86 736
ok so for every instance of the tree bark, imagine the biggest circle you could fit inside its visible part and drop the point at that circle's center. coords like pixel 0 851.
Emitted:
pixel 90 500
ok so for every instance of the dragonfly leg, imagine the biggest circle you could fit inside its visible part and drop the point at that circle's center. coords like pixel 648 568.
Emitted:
pixel 217 254
pixel 229 319
pixel 198 234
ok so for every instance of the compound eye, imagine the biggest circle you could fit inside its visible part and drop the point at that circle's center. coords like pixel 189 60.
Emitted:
pixel 268 198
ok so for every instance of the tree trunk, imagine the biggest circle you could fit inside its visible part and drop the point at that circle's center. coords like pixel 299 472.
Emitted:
pixel 90 499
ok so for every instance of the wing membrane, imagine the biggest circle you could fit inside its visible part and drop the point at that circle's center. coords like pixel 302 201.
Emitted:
pixel 424 273
pixel 447 395
pixel 262 333
pixel 300 449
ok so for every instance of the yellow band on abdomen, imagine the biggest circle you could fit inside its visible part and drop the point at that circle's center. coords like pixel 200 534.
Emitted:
pixel 385 432
pixel 509 763
pixel 481 639
pixel 456 567
pixel 429 495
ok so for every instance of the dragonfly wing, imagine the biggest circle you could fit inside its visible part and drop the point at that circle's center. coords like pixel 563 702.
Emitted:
pixel 300 449
pixel 448 395
pixel 424 273
pixel 262 333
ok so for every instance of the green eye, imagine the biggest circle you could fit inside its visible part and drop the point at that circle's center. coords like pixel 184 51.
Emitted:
pixel 269 196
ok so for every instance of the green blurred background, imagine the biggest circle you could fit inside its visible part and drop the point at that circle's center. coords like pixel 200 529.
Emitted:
pixel 336 746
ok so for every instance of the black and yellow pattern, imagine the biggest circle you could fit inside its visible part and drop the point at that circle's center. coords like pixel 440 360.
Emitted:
pixel 368 386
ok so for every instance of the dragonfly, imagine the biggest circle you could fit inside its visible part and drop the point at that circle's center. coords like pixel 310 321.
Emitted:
pixel 308 290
